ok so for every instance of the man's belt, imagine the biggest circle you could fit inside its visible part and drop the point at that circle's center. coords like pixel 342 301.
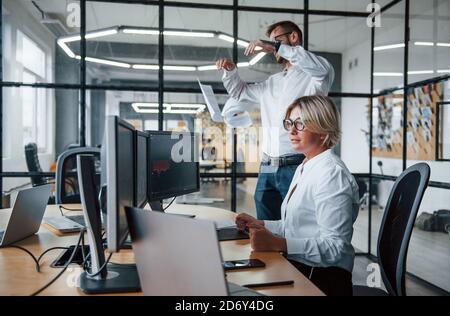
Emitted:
pixel 283 160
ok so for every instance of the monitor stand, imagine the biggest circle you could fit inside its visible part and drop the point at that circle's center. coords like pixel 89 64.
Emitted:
pixel 158 207
pixel 113 278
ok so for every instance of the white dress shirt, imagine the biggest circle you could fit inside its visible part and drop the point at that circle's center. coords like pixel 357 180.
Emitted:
pixel 236 113
pixel 317 221
pixel 309 75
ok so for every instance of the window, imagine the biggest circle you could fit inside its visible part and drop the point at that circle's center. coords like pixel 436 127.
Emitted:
pixel 30 55
pixel 34 105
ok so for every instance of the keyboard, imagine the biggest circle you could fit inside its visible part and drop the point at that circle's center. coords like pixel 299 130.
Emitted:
pixel 63 224
pixel 79 219
pixel 66 224
pixel 2 232
pixel 224 234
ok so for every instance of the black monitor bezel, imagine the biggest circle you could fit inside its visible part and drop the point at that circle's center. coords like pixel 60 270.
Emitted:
pixel 138 134
pixel 118 240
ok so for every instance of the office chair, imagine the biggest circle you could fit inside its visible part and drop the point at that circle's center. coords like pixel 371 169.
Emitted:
pixel 364 193
pixel 67 189
pixel 396 229
pixel 33 165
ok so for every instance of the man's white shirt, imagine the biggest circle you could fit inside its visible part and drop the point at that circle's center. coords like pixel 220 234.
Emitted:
pixel 310 74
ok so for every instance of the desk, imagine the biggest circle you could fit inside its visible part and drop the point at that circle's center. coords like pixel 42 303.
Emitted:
pixel 19 277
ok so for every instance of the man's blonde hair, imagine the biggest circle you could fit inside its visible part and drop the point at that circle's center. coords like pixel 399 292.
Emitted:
pixel 320 116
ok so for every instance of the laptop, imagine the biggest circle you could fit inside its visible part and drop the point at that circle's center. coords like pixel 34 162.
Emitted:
pixel 26 215
pixel 177 256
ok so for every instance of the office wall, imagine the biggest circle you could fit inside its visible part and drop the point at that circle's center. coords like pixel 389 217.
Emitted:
pixel 66 111
pixel 354 146
pixel 15 17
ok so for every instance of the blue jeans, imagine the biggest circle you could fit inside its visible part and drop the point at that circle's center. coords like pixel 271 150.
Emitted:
pixel 271 189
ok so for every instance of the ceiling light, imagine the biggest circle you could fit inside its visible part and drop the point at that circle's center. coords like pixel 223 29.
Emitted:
pixel 180 111
pixel 392 46
pixel 443 44
pixel 257 58
pixel 101 33
pixel 207 67
pixel 420 72
pixel 66 49
pixel 62 42
pixel 197 106
pixel 244 64
pixel 424 43
pixel 105 62
pixel 387 74
pixel 230 39
pixel 68 39
pixel 443 71
pixel 148 111
pixel 146 67
pixel 244 43
pixel 130 30
pixel 226 38
pixel 180 108
pixel 188 34
pixel 180 68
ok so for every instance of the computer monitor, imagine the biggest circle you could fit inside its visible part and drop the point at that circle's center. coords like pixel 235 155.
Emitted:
pixel 141 139
pixel 173 166
pixel 102 278
pixel 120 171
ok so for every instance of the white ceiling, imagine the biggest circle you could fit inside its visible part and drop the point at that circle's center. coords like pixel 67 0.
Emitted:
pixel 327 33
pixel 252 25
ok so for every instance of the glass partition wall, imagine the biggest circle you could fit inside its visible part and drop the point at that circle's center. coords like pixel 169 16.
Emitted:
pixel 74 62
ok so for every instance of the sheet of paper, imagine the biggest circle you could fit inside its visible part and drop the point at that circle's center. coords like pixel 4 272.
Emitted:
pixel 211 102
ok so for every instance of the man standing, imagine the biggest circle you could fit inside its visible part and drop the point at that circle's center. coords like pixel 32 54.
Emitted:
pixel 303 74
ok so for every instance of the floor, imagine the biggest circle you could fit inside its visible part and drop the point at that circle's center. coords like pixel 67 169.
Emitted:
pixel 428 256
pixel 428 253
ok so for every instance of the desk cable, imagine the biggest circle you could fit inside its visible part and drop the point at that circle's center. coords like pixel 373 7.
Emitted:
pixel 311 273
pixel 85 261
pixel 64 268
pixel 164 209
pixel 36 261
pixel 48 250
pixel 60 207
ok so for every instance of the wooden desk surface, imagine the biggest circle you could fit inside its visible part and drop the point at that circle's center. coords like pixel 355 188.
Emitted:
pixel 18 275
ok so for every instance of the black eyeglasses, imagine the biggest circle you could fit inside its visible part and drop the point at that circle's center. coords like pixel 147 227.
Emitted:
pixel 276 37
pixel 297 123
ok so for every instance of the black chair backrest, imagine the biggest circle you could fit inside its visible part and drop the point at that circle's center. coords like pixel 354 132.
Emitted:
pixel 397 225
pixel 33 165
pixel 67 186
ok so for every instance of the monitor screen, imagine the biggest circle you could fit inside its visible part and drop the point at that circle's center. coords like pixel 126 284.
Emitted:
pixel 120 179
pixel 172 163
pixel 141 169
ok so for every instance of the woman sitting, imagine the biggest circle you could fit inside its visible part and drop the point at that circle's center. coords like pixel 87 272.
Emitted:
pixel 317 215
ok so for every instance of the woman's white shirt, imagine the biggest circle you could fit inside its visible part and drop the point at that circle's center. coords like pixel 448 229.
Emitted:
pixel 317 221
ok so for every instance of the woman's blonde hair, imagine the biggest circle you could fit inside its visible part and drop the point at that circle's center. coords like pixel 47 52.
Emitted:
pixel 320 116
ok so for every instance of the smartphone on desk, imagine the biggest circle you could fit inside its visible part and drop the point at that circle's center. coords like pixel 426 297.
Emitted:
pixel 243 264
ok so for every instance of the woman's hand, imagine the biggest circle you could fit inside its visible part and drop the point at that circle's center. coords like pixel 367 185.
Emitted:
pixel 243 220
pixel 262 239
